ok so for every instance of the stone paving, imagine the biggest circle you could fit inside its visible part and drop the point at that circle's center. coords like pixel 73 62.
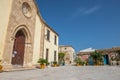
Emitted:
pixel 66 73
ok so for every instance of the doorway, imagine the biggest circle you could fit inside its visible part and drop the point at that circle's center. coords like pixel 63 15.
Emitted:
pixel 106 59
pixel 18 48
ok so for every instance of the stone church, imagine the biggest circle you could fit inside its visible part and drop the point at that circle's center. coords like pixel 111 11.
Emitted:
pixel 24 35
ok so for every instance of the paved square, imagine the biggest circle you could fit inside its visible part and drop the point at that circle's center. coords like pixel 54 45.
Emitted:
pixel 66 73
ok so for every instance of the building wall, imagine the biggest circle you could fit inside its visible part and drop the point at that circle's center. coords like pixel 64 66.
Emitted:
pixel 50 45
pixel 5 9
pixel 69 53
pixel 84 55
pixel 37 40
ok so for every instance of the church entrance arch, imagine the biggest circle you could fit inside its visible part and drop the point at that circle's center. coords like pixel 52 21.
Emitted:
pixel 18 48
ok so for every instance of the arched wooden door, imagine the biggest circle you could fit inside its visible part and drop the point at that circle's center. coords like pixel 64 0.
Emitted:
pixel 18 48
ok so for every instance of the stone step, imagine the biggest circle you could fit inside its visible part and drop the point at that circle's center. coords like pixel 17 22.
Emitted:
pixel 22 69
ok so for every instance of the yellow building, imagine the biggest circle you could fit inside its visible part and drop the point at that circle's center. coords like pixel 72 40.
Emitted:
pixel 24 35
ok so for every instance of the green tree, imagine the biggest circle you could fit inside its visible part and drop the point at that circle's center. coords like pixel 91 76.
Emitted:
pixel 96 56
pixel 61 56
pixel 78 61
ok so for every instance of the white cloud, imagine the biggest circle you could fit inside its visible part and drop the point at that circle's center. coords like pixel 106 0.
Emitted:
pixel 91 10
pixel 78 12
pixel 85 11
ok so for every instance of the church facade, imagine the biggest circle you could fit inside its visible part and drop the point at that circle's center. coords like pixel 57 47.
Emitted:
pixel 25 36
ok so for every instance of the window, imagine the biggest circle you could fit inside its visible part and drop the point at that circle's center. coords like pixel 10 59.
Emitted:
pixel 47 53
pixel 48 35
pixel 55 40
pixel 26 9
pixel 55 55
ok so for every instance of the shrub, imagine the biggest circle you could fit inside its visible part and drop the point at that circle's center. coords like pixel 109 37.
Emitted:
pixel 54 62
pixel 42 61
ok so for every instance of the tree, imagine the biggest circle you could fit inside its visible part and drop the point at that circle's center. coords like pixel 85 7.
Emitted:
pixel 61 56
pixel 78 61
pixel 97 57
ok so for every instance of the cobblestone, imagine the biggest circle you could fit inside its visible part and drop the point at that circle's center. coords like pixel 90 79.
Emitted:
pixel 65 73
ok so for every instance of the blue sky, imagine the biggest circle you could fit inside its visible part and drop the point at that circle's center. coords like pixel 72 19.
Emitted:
pixel 83 23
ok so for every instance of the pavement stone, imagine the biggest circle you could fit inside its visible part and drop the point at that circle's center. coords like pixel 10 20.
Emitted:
pixel 65 73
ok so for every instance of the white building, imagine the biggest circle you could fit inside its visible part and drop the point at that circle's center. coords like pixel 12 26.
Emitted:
pixel 88 50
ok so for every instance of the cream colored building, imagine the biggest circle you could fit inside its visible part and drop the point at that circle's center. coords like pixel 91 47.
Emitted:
pixel 23 34
pixel 50 44
pixel 69 53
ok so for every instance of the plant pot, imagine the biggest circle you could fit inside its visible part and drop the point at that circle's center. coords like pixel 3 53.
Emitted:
pixel 77 64
pixel 96 64
pixel 100 63
pixel 42 66
pixel 114 63
pixel 117 62
pixel 1 68
pixel 55 65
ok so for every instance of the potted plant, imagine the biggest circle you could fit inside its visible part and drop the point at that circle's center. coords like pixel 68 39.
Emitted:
pixel 78 61
pixel 101 61
pixel 55 63
pixel 0 66
pixel 47 63
pixel 42 63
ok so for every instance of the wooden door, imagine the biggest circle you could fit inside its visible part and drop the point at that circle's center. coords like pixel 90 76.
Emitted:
pixel 18 49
